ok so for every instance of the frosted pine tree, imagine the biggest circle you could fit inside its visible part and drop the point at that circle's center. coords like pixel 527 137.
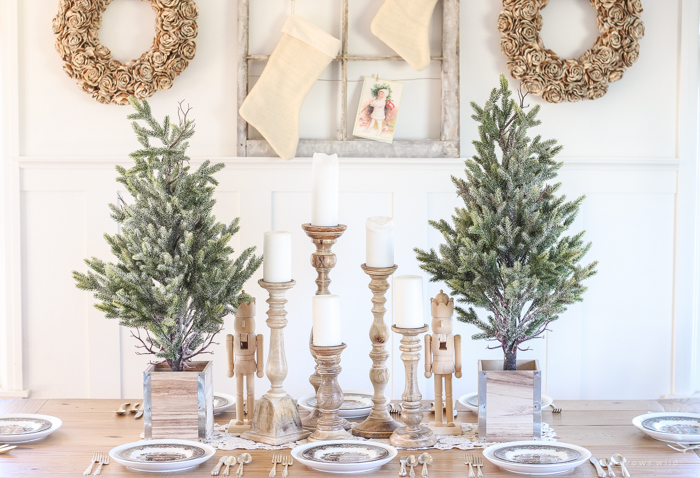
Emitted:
pixel 174 279
pixel 505 250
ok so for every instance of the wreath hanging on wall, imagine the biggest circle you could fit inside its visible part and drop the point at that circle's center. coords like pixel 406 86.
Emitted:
pixel 109 81
pixel 543 73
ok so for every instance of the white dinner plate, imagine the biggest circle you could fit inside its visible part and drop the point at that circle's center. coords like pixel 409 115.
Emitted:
pixel 223 402
pixel 471 401
pixel 26 427
pixel 344 456
pixel 162 456
pixel 537 457
pixel 356 404
pixel 670 427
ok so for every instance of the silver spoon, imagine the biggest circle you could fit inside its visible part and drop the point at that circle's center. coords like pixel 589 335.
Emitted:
pixel 411 461
pixel 243 459
pixel 402 469
pixel 425 459
pixel 620 460
pixel 606 463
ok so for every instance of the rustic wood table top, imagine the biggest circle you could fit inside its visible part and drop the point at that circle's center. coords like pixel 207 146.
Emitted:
pixel 604 427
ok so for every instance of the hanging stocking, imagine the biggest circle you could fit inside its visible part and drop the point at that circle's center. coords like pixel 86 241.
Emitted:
pixel 404 26
pixel 274 103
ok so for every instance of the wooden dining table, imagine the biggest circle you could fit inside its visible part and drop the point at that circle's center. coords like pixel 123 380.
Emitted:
pixel 602 426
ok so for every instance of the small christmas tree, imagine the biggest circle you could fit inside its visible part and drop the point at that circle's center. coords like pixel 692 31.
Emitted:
pixel 505 251
pixel 174 280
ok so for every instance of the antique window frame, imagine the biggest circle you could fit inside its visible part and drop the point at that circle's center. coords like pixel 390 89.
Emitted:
pixel 448 146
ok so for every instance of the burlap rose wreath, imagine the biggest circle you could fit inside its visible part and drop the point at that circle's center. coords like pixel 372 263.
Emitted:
pixel 108 80
pixel 543 73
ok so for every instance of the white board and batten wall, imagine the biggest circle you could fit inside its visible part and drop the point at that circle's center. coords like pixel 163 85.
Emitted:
pixel 632 153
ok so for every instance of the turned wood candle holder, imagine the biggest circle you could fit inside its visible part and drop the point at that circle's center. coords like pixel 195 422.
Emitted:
pixel 323 260
pixel 412 435
pixel 276 419
pixel 379 423
pixel 329 396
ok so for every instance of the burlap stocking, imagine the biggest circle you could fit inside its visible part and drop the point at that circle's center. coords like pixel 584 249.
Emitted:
pixel 404 26
pixel 274 103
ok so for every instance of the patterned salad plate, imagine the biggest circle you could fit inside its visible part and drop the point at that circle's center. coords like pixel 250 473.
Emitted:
pixel 162 456
pixel 356 404
pixel 223 402
pixel 536 457
pixel 670 427
pixel 344 456
pixel 25 427
pixel 471 401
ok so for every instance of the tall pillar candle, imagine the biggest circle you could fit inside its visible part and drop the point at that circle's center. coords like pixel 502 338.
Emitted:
pixel 277 262
pixel 324 191
pixel 380 242
pixel 408 291
pixel 326 312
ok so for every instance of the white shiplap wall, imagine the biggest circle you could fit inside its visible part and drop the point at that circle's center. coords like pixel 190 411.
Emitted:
pixel 628 152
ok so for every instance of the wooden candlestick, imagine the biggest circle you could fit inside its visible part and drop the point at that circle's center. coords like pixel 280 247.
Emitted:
pixel 323 260
pixel 412 435
pixel 329 397
pixel 276 419
pixel 379 423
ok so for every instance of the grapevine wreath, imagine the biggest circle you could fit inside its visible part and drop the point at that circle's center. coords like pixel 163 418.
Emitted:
pixel 543 73
pixel 107 80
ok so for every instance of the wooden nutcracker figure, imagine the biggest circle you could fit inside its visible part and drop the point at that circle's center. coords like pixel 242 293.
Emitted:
pixel 245 358
pixel 443 357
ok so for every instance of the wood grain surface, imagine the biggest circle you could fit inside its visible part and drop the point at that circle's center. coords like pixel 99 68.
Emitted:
pixel 604 427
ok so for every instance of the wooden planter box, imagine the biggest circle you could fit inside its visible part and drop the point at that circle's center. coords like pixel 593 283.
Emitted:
pixel 510 402
pixel 178 404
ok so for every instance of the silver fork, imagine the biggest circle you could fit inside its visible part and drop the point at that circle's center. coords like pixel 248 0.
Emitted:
pixel 103 461
pixel 468 460
pixel 478 463
pixel 275 460
pixel 96 457
pixel 554 408
pixel 287 461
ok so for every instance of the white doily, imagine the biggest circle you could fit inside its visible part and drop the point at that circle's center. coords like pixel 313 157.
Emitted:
pixel 469 439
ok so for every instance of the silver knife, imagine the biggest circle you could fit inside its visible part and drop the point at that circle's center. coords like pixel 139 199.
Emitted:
pixel 599 469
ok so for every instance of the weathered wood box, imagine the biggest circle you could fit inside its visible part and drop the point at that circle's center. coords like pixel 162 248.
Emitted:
pixel 510 402
pixel 178 404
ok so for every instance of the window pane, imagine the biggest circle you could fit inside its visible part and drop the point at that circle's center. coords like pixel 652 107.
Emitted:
pixel 420 111
pixel 320 113
pixel 361 41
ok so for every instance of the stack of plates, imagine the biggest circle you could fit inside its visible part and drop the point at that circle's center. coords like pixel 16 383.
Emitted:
pixel 223 402
pixel 355 404
pixel 24 427
pixel 344 456
pixel 167 455
pixel 471 401
pixel 536 457
pixel 671 427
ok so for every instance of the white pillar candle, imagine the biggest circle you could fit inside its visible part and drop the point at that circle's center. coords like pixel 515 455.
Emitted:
pixel 380 242
pixel 408 291
pixel 326 312
pixel 324 192
pixel 277 262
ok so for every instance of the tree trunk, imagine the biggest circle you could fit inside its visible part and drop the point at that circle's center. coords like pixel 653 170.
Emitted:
pixel 509 360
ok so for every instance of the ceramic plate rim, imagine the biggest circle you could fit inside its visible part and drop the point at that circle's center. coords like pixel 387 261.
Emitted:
pixel 546 401
pixel 303 399
pixel 357 442
pixel 231 402
pixel 552 444
pixel 669 437
pixel 29 433
pixel 344 467
pixel 131 460
pixel 537 469
pixel 162 466
pixel 56 423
